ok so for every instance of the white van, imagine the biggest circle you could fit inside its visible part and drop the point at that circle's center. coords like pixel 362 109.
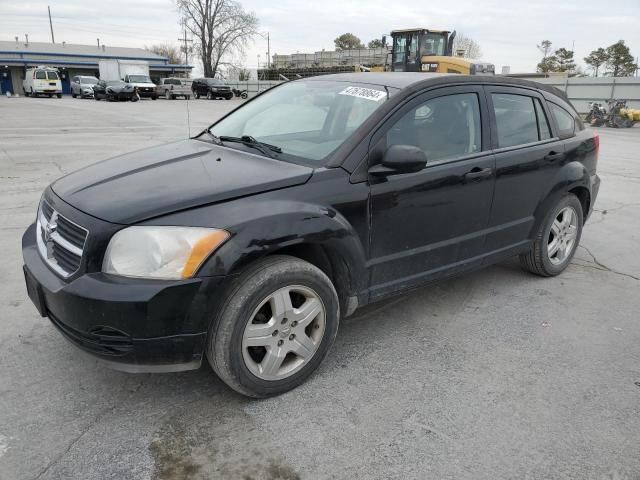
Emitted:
pixel 42 81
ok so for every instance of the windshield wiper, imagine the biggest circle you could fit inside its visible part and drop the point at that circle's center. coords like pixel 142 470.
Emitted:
pixel 249 141
pixel 215 138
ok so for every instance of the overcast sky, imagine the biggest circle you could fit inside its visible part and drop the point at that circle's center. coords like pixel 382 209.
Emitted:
pixel 507 31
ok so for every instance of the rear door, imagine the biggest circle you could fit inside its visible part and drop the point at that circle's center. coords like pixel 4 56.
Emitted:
pixel 428 223
pixel 528 156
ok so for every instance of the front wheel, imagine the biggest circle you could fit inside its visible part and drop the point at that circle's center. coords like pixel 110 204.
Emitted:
pixel 196 95
pixel 556 240
pixel 209 96
pixel 167 95
pixel 275 325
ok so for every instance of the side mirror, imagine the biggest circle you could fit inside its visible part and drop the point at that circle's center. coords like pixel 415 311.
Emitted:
pixel 400 159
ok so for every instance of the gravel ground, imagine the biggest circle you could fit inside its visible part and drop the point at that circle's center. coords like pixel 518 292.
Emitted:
pixel 494 375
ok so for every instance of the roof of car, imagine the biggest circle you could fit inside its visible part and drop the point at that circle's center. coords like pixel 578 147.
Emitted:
pixel 403 80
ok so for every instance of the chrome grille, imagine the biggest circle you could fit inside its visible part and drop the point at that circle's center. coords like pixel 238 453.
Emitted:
pixel 60 241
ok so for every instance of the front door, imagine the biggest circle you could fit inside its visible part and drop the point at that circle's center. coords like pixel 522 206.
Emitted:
pixel 430 223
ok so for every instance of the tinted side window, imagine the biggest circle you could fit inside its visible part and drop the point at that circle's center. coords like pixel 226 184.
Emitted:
pixel 515 119
pixel 564 120
pixel 443 127
pixel 40 75
pixel 543 121
pixel 52 75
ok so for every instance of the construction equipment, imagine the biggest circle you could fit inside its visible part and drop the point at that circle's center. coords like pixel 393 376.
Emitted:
pixel 617 116
pixel 427 50
pixel 620 116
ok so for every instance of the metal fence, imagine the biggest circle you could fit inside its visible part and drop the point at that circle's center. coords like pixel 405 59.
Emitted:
pixel 583 90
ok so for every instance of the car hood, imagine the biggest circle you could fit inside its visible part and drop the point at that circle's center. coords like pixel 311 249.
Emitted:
pixel 172 177
pixel 119 88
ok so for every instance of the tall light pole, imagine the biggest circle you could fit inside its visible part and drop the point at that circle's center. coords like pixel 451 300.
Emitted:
pixel 50 24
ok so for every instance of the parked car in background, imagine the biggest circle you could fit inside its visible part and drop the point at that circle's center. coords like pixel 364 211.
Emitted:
pixel 212 88
pixel 42 81
pixel 82 86
pixel 143 85
pixel 171 88
pixel 114 90
pixel 245 245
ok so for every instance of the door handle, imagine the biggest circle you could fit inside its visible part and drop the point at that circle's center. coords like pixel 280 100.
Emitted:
pixel 552 156
pixel 478 173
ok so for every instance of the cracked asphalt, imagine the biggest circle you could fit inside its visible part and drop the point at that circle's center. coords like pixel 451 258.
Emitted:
pixel 494 375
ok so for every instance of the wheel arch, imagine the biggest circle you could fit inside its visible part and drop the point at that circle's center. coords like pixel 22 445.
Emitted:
pixel 317 235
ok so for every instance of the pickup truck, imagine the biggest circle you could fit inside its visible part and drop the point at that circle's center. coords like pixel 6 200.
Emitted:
pixel 172 88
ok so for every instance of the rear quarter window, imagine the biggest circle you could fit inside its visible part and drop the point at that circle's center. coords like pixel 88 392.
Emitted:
pixel 40 75
pixel 564 120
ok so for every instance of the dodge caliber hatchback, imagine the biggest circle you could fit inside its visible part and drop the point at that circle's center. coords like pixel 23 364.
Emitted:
pixel 247 244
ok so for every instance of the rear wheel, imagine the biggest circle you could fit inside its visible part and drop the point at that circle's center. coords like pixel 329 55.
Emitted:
pixel 277 322
pixel 209 96
pixel 73 95
pixel 167 95
pixel 557 239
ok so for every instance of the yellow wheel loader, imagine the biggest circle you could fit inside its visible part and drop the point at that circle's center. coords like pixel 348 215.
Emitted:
pixel 428 50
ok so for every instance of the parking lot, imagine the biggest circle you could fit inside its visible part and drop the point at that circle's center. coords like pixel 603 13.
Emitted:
pixel 494 375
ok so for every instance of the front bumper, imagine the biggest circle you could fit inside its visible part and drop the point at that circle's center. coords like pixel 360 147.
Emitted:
pixel 147 92
pixel 222 94
pixel 134 325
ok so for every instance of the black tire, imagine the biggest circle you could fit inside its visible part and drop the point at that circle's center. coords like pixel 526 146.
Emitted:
pixel 96 97
pixel 196 95
pixel 155 97
pixel 241 298
pixel 537 260
pixel 73 95
pixel 59 95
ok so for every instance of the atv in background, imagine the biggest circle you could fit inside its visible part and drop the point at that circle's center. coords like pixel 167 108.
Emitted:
pixel 597 115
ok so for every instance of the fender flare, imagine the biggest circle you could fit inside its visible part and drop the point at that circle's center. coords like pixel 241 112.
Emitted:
pixel 572 175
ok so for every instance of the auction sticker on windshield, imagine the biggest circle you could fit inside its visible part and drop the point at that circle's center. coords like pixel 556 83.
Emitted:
pixel 366 93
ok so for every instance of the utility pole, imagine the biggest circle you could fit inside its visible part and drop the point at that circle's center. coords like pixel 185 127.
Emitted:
pixel 51 24
pixel 186 48
pixel 268 52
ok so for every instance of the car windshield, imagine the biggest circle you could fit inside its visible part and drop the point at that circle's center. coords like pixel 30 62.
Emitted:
pixel 89 80
pixel 139 78
pixel 306 119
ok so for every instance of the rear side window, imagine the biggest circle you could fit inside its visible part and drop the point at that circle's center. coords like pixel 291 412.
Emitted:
pixel 515 118
pixel 40 75
pixel 443 127
pixel 564 120
pixel 543 122
pixel 52 75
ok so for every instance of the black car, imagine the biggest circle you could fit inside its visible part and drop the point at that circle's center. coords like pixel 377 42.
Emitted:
pixel 247 244
pixel 212 88
pixel 114 91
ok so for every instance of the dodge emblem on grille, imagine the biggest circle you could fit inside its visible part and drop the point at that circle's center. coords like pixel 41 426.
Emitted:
pixel 49 229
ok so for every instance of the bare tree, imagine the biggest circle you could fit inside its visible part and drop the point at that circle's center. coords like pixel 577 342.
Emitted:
pixel 167 50
pixel 222 29
pixel 469 45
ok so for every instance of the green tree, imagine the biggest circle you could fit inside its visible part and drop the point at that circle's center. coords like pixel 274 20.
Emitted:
pixel 548 64
pixel 348 41
pixel 565 62
pixel 545 48
pixel 620 62
pixel 596 59
pixel 375 43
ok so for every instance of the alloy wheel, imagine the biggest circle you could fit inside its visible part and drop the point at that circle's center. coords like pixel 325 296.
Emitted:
pixel 284 333
pixel 562 236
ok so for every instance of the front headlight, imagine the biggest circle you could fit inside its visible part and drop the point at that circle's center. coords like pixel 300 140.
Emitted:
pixel 161 252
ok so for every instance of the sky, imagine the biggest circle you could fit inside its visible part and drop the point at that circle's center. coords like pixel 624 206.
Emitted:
pixel 507 31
